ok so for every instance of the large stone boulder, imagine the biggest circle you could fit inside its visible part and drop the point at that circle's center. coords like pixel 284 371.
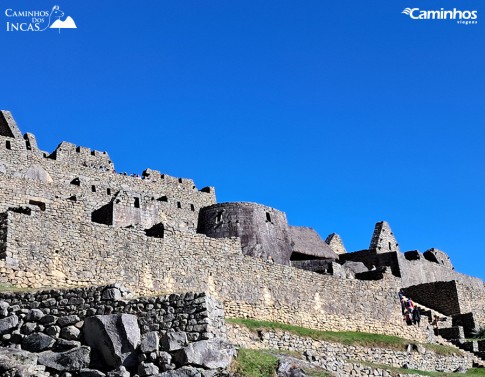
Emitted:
pixel 8 323
pixel 114 337
pixel 37 342
pixel 14 362
pixel 209 354
pixel 68 361
pixel 173 341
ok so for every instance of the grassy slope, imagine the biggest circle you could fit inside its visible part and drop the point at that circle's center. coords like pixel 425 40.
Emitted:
pixel 344 337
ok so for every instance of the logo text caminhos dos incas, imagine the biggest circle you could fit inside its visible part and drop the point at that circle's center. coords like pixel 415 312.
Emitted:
pixel 38 20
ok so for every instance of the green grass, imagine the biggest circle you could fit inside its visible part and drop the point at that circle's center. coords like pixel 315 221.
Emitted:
pixel 342 337
pixel 263 363
pixel 255 363
pixel 6 287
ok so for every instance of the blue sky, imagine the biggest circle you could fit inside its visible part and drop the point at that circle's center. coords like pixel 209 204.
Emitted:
pixel 340 114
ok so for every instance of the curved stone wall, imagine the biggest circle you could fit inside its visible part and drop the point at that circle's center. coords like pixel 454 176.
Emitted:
pixel 263 231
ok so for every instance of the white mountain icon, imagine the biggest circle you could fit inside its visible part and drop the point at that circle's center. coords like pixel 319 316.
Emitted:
pixel 68 23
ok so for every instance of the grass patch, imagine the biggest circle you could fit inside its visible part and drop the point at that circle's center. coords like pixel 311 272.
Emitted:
pixel 6 287
pixel 255 363
pixel 342 337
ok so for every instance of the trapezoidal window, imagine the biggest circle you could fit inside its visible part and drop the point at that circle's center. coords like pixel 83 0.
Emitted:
pixel 192 208
pixel 219 217
pixel 76 182
pixel 179 205
pixel 108 191
pixel 156 231
pixel 8 145
pixel 268 217
pixel 27 145
pixel 137 202
pixel 93 188
pixel 180 180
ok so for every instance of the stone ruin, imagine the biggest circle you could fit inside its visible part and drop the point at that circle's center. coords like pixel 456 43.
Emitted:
pixel 68 219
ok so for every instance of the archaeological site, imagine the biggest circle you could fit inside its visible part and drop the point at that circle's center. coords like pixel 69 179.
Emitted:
pixel 106 274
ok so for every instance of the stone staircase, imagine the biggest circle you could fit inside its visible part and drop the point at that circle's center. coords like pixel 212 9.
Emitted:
pixel 453 335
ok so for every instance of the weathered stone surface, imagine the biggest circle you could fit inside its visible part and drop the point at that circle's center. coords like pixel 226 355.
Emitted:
pixel 149 342
pixel 64 345
pixel 186 371
pixel 286 368
pixel 9 358
pixel 119 372
pixel 8 323
pixel 34 315
pixel 72 360
pixel 38 173
pixel 37 342
pixel 67 320
pixel 336 244
pixel 114 336
pixel 173 341
pixel 352 268
pixel 91 373
pixel 438 256
pixel 210 354
pixel 111 293
pixel 70 333
pixel 147 369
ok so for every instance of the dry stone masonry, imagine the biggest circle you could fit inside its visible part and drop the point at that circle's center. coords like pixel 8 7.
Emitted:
pixel 68 219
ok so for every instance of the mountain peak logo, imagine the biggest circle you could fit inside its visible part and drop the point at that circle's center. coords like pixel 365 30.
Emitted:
pixel 465 17
pixel 38 20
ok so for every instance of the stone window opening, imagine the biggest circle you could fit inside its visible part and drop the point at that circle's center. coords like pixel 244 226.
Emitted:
pixel 390 248
pixel 27 145
pixel 156 231
pixel 41 205
pixel 108 191
pixel 192 208
pixel 180 180
pixel 268 217
pixel 8 145
pixel 76 182
pixel 179 205
pixel 163 199
pixel 78 149
pixel 137 202
pixel 219 217
pixel 93 188
pixel 93 153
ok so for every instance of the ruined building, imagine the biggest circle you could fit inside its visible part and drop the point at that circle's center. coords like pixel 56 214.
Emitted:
pixel 67 219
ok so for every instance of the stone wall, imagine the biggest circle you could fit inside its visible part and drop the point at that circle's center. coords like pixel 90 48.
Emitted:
pixel 91 180
pixel 421 271
pixel 440 296
pixel 414 357
pixel 197 314
pixel 48 248
pixel 472 300
pixel 88 331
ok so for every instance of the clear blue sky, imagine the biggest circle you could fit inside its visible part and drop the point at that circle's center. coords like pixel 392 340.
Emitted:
pixel 340 113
